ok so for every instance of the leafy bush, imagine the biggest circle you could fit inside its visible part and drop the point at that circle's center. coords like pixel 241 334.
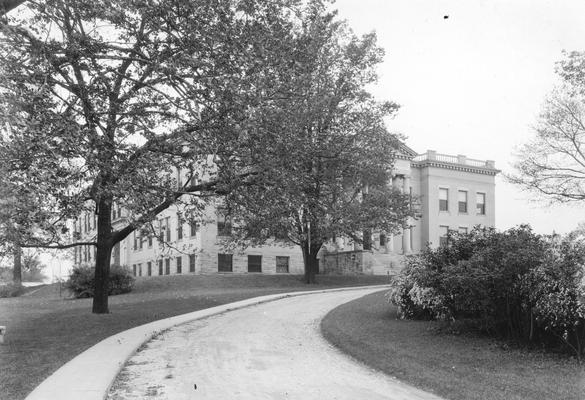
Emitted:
pixel 513 284
pixel 11 290
pixel 81 281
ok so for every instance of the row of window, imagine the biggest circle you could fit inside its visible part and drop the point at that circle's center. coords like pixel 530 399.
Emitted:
pixel 84 254
pixel 164 266
pixel 462 201
pixel 224 264
pixel 88 222
pixel 164 233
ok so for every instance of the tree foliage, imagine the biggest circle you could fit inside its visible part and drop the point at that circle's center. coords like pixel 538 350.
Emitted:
pixel 81 281
pixel 552 164
pixel 327 158
pixel 514 284
pixel 101 102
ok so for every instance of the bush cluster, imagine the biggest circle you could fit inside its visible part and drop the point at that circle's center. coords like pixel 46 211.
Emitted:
pixel 514 284
pixel 81 281
pixel 11 290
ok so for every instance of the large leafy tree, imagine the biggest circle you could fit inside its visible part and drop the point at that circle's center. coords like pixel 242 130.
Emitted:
pixel 101 102
pixel 552 164
pixel 326 161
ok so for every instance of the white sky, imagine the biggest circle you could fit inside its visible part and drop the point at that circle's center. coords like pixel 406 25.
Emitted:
pixel 474 83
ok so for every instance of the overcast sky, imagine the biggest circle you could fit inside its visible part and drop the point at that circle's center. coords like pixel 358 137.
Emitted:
pixel 474 83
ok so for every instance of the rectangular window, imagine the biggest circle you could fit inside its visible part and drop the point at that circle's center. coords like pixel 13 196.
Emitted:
pixel 192 263
pixel 160 267
pixel 161 231
pixel 462 198
pixel 179 179
pixel 135 246
pixel 140 240
pixel 463 230
pixel 168 227
pixel 443 235
pixel 167 266
pixel 480 203
pixel 117 254
pixel 150 240
pixel 224 262
pixel 139 269
pixel 254 263
pixel 282 264
pixel 149 268
pixel 382 239
pixel 193 227
pixel 224 223
pixel 134 269
pixel 179 265
pixel 443 199
pixel 179 227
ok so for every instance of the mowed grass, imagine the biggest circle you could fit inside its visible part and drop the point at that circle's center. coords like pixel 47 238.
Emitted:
pixel 460 367
pixel 45 330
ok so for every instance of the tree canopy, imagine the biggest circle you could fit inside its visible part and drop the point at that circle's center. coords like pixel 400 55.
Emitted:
pixel 263 102
pixel 552 164
pixel 102 102
pixel 327 159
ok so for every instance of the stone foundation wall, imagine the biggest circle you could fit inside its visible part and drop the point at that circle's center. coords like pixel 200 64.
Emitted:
pixel 358 262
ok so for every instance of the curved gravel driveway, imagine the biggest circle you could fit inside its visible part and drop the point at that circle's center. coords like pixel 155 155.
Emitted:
pixel 268 351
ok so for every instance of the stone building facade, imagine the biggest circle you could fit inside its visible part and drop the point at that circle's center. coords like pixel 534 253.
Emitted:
pixel 452 192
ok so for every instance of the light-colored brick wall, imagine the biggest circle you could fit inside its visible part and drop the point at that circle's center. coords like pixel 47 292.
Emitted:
pixel 423 177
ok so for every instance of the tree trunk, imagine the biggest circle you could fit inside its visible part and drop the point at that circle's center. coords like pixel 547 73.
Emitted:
pixel 103 257
pixel 17 271
pixel 310 261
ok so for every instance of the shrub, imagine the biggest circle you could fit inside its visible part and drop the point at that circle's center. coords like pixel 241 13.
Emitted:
pixel 513 284
pixel 11 290
pixel 81 281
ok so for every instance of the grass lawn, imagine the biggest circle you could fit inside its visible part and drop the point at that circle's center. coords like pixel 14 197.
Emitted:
pixel 455 367
pixel 44 330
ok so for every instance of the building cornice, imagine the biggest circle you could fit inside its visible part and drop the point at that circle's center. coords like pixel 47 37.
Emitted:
pixel 455 167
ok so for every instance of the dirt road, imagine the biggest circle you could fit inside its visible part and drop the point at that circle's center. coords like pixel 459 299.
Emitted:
pixel 269 351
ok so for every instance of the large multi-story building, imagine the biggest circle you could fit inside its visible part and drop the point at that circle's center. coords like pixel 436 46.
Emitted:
pixel 451 193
